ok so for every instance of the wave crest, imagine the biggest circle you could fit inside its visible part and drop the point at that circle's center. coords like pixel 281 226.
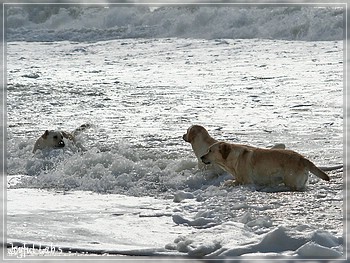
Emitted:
pixel 78 23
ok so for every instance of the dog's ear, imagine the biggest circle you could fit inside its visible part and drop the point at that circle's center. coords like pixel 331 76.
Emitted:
pixel 224 150
pixel 46 133
pixel 191 133
pixel 190 136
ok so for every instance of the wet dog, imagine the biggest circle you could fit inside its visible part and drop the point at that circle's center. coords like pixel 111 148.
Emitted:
pixel 200 141
pixel 54 139
pixel 250 165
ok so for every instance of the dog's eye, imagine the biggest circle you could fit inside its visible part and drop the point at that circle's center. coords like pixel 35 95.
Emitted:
pixel 55 137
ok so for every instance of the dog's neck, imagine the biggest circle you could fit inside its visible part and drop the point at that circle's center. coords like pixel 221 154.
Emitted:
pixel 200 147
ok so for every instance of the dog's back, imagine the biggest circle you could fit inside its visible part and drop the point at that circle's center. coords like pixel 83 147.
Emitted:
pixel 274 164
pixel 81 128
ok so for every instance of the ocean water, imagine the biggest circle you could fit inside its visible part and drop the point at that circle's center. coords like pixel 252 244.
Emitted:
pixel 142 95
pixel 141 92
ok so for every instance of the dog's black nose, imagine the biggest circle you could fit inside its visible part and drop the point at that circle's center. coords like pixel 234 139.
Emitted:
pixel 204 160
pixel 61 144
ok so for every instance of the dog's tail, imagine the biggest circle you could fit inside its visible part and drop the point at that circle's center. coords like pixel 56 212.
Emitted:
pixel 331 168
pixel 316 171
pixel 81 128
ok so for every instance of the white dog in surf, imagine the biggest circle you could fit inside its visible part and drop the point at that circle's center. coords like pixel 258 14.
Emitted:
pixel 54 139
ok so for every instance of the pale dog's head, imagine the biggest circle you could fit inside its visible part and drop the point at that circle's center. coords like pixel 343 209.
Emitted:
pixel 200 141
pixel 217 153
pixel 52 139
pixel 195 132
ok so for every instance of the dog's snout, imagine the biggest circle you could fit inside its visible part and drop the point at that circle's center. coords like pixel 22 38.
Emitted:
pixel 61 144
pixel 184 137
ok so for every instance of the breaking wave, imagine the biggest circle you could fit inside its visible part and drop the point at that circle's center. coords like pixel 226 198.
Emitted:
pixel 98 23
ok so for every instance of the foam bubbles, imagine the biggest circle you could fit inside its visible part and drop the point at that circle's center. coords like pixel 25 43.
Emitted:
pixel 123 169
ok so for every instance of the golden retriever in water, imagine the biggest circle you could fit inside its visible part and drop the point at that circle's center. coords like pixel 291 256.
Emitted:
pixel 54 139
pixel 200 141
pixel 251 165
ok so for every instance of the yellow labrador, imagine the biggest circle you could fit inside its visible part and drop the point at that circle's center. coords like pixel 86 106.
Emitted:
pixel 259 166
pixel 200 141
pixel 54 139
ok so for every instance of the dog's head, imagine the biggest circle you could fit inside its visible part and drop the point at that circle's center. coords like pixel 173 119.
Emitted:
pixel 53 139
pixel 217 153
pixel 194 132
